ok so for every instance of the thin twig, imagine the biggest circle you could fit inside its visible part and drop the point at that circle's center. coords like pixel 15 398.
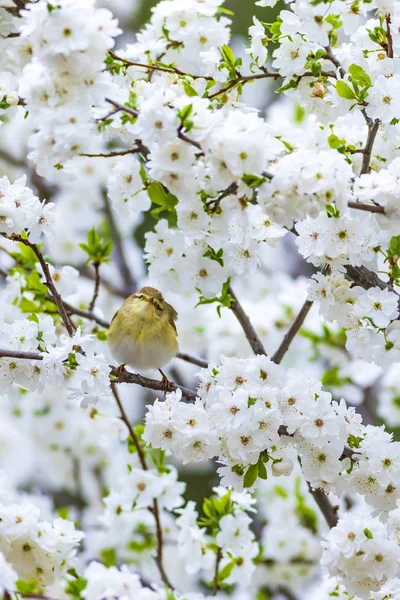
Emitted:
pixel 251 334
pixel 118 375
pixel 328 510
pixel 389 47
pixel 332 58
pixel 111 154
pixel 155 510
pixel 218 559
pixel 373 208
pixel 120 107
pixel 12 160
pixel 124 376
pixel 96 286
pixel 213 204
pixel 194 360
pixel 285 591
pixel 70 327
pixel 6 353
pixel 124 418
pixel 373 128
pixel 242 79
pixel 291 334
pixel 170 70
pixel 130 284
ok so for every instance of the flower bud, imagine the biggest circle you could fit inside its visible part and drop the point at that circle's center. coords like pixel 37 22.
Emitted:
pixel 284 467
pixel 12 99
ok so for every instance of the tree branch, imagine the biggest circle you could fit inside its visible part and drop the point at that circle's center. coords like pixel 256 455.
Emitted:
pixel 96 287
pixel 291 334
pixel 70 327
pixel 251 335
pixel 155 511
pixel 373 128
pixel 218 558
pixel 192 359
pixel 130 284
pixel 170 70
pixel 123 376
pixel 389 48
pixel 112 154
pixel 373 208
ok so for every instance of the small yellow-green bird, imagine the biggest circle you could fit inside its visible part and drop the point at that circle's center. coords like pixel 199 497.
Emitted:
pixel 142 333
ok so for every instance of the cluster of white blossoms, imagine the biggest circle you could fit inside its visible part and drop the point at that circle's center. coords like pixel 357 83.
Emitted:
pixel 250 410
pixel 364 554
pixel 37 549
pixel 154 152
pixel 21 210
pixel 62 54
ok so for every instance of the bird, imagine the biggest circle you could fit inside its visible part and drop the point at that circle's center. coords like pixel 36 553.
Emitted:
pixel 143 333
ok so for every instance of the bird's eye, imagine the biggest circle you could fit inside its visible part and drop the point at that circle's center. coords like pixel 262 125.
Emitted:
pixel 140 297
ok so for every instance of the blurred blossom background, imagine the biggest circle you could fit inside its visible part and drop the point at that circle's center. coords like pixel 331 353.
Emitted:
pixel 66 460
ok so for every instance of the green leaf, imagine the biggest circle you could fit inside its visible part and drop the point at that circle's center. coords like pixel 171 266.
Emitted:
pixel 28 587
pixel 228 55
pixel 109 557
pixel 335 142
pixel 253 181
pixel 213 255
pixel 226 571
pixel 28 306
pixel 359 76
pixel 262 470
pixel 189 89
pixel 394 247
pixel 344 91
pixel 250 476
pixel 354 441
pixel 75 587
pixel 368 534
pixel 97 248
pixel 4 104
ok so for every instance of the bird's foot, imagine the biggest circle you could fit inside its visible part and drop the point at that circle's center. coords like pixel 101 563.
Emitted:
pixel 120 371
pixel 164 382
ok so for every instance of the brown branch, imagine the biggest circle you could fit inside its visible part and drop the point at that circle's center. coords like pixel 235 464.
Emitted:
pixel 285 591
pixel 130 284
pixel 12 160
pixel 212 205
pixel 192 359
pixel 96 287
pixel 74 310
pixel 70 327
pixel 124 376
pixel 170 70
pixel 120 107
pixel 218 558
pixel 328 510
pixel 111 154
pixel 188 140
pixel 373 208
pixel 6 353
pixel 365 278
pixel 251 334
pixel 155 510
pixel 373 128
pixel 118 375
pixel 242 79
pixel 332 58
pixel 291 334
pixel 389 47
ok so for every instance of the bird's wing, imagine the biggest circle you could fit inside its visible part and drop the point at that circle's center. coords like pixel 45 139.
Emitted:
pixel 115 315
pixel 174 315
